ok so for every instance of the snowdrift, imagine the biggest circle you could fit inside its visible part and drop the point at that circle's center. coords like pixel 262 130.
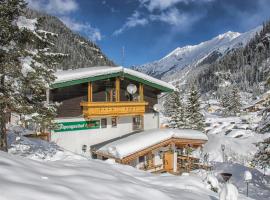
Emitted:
pixel 21 178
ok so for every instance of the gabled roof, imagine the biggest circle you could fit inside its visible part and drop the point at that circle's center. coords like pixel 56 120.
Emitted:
pixel 84 75
pixel 137 142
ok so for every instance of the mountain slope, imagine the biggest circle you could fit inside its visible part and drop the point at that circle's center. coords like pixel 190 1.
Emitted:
pixel 81 52
pixel 205 52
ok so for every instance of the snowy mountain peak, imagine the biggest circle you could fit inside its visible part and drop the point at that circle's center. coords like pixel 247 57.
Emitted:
pixel 193 55
pixel 231 35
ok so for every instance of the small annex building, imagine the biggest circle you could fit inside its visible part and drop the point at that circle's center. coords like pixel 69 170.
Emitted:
pixel 95 105
pixel 156 150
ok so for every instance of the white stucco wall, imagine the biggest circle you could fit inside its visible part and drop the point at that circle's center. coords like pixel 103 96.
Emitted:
pixel 151 121
pixel 74 140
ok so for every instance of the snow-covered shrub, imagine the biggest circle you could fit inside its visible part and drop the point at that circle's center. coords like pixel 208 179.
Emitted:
pixel 228 192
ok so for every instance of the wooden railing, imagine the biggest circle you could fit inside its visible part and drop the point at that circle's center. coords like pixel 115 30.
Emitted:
pixel 122 108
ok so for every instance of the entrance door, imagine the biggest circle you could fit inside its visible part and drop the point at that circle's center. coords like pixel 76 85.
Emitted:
pixel 168 161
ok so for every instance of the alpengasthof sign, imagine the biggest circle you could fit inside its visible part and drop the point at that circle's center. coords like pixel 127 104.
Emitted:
pixel 77 126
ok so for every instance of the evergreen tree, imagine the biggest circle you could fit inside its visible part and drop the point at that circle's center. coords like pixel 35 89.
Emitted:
pixel 174 109
pixel 225 103
pixel 262 157
pixel 27 67
pixel 230 101
pixel 195 119
pixel 235 101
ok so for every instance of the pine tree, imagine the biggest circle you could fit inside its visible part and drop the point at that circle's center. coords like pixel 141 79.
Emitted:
pixel 174 109
pixel 27 68
pixel 234 101
pixel 231 101
pixel 195 119
pixel 225 103
pixel 262 156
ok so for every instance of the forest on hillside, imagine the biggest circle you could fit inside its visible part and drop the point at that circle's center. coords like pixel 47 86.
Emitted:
pixel 80 51
pixel 247 67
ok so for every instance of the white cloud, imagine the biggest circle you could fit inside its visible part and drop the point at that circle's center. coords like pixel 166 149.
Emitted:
pixel 62 8
pixel 85 28
pixel 165 4
pixel 59 7
pixel 134 20
pixel 163 11
pixel 175 18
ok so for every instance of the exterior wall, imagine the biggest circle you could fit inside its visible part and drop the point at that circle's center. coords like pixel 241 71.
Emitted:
pixel 151 121
pixel 71 97
pixel 74 140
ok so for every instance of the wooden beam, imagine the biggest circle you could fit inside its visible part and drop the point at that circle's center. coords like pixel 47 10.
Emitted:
pixel 90 92
pixel 117 89
pixel 141 92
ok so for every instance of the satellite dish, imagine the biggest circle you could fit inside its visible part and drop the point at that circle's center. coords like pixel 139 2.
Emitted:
pixel 132 89
pixel 157 107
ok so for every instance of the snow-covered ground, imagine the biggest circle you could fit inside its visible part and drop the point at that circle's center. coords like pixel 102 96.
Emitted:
pixel 236 134
pixel 22 178
pixel 36 169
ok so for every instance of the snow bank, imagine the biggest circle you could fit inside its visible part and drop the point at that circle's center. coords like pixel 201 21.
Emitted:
pixel 228 192
pixel 21 178
pixel 36 149
pixel 259 187
pixel 134 143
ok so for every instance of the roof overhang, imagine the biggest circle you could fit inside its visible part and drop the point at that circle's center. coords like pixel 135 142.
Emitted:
pixel 79 76
pixel 176 141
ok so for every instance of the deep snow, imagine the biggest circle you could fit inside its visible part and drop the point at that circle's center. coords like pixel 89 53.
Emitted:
pixel 134 143
pixel 22 178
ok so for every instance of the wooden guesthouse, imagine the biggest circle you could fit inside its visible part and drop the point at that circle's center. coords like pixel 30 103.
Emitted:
pixel 100 104
pixel 108 112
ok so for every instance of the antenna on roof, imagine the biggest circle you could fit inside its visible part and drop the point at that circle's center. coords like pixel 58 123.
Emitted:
pixel 123 56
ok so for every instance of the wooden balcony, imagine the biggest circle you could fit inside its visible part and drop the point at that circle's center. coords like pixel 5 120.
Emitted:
pixel 97 109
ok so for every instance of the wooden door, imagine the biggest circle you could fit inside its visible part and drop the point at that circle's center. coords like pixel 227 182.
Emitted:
pixel 168 161
pixel 150 160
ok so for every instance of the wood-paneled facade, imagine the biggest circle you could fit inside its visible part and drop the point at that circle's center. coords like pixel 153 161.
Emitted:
pixel 71 97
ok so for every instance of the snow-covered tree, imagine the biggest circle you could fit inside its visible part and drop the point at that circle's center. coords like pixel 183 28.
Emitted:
pixel 262 157
pixel 230 101
pixel 27 67
pixel 225 103
pixel 194 117
pixel 175 110
pixel 235 101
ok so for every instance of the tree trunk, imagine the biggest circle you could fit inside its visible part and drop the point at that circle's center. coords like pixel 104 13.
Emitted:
pixel 3 131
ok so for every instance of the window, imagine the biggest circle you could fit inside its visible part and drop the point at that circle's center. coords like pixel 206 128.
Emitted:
pixel 141 159
pixel 104 123
pixel 114 122
pixel 137 123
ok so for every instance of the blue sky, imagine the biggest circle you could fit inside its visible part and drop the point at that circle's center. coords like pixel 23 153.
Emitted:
pixel 150 29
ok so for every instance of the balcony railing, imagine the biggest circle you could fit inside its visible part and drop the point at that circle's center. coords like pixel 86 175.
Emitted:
pixel 97 109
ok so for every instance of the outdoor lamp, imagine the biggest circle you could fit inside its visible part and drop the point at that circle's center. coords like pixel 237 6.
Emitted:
pixel 84 147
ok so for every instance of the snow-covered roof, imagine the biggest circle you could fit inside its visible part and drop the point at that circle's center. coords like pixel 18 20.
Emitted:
pixel 82 75
pixel 140 141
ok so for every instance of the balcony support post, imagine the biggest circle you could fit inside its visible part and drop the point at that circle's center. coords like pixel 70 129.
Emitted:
pixel 141 92
pixel 90 92
pixel 117 89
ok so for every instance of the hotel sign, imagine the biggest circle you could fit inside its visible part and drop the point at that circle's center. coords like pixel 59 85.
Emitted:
pixel 77 126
